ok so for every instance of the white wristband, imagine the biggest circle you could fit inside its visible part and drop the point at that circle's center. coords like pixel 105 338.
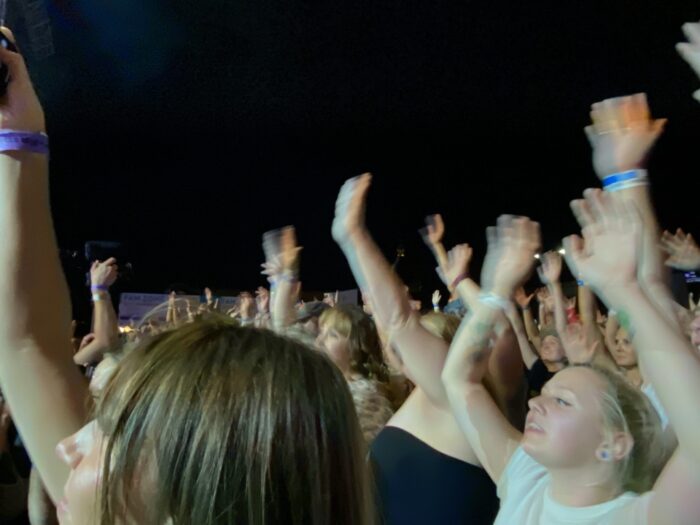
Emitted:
pixel 494 301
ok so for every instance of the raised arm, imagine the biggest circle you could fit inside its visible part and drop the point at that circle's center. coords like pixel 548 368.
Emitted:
pixel 41 383
pixel 432 236
pixel 422 354
pixel 527 352
pixel 282 268
pixel 609 262
pixel 104 318
pixel 490 435
pixel 622 135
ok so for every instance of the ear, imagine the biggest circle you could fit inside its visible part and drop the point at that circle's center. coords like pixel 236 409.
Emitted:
pixel 616 448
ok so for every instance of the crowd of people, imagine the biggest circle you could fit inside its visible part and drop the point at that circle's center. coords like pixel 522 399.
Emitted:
pixel 489 410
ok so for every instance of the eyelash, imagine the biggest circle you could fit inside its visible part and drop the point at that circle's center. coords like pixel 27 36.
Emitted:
pixel 561 402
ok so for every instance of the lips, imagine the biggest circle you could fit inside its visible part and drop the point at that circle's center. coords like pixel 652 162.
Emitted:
pixel 532 426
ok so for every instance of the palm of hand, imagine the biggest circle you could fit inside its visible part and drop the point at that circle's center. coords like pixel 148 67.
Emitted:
pixel 622 134
pixel 457 263
pixel 611 260
pixel 350 208
pixel 684 252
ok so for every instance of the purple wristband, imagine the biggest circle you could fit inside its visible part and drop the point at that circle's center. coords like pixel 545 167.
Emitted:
pixel 458 280
pixel 24 141
pixel 99 288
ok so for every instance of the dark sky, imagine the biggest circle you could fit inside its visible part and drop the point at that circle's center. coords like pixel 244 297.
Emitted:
pixel 187 129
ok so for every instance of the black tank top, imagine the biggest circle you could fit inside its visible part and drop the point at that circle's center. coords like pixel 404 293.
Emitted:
pixel 419 485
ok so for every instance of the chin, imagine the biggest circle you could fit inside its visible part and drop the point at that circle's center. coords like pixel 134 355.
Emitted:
pixel 532 449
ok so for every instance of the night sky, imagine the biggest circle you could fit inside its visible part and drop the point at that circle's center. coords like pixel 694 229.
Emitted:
pixel 187 129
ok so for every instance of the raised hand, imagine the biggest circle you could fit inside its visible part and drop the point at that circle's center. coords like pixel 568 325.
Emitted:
pixel 690 51
pixel 612 233
pixel 262 299
pixel 437 297
pixel 20 109
pixel 457 266
pixel 434 230
pixel 550 270
pixel 522 299
pixel 622 134
pixel 104 273
pixel 683 251
pixel 511 254
pixel 350 208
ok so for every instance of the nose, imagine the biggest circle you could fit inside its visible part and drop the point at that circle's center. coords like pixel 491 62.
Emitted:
pixel 535 404
pixel 69 451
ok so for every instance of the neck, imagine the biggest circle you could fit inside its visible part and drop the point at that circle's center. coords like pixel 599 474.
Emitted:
pixel 554 366
pixel 633 375
pixel 577 488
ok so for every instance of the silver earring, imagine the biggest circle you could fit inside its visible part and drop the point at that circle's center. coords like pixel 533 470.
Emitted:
pixel 605 455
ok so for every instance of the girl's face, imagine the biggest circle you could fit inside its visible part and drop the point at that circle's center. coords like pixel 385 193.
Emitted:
pixel 335 345
pixel 564 426
pixel 83 453
pixel 551 350
pixel 624 353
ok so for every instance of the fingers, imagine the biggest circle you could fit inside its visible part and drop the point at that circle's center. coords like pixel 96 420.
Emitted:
pixel 691 30
pixel 574 247
pixel 13 60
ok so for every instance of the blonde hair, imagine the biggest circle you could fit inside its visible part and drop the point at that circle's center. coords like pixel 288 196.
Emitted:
pixel 366 356
pixel 240 425
pixel 627 409
pixel 441 325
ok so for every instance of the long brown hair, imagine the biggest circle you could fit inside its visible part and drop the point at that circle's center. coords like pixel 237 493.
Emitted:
pixel 237 425
pixel 366 358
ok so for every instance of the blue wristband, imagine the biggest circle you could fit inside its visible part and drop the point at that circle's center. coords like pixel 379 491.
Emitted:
pixel 11 140
pixel 625 179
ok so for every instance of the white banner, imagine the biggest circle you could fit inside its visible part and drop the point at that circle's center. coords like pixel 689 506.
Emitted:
pixel 134 306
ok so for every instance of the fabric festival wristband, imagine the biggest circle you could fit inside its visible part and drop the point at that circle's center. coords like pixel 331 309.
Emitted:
pixel 458 280
pixel 494 301
pixel 99 288
pixel 11 140
pixel 97 297
pixel 625 180
pixel 288 277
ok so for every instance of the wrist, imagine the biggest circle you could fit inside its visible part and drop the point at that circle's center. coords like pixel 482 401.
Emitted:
pixel 95 288
pixel 457 280
pixel 625 179
pixel 356 236
pixel 503 291
pixel 619 297
pixel 99 296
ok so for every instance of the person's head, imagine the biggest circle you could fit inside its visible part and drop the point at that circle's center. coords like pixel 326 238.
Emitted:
pixel 551 349
pixel 214 423
pixel 103 373
pixel 441 325
pixel 593 419
pixel 309 314
pixel 623 352
pixel 695 331
pixel 349 337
